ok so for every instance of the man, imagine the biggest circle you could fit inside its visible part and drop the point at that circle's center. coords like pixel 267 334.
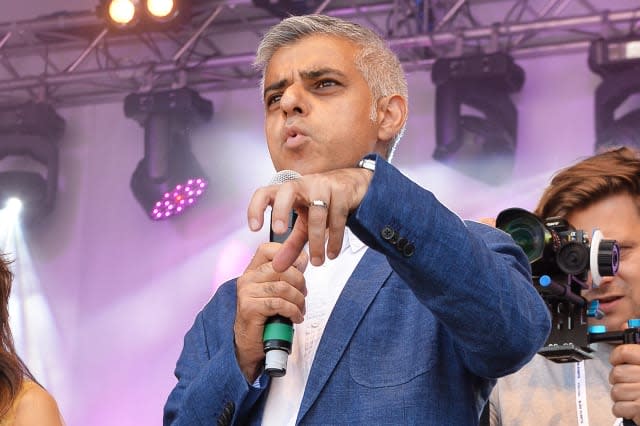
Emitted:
pixel 601 192
pixel 405 314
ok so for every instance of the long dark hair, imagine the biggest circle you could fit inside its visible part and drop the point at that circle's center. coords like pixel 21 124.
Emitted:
pixel 12 370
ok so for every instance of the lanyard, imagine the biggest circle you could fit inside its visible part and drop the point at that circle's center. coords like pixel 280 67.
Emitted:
pixel 581 397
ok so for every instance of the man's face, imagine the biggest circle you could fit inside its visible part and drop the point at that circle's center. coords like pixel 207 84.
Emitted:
pixel 618 219
pixel 318 107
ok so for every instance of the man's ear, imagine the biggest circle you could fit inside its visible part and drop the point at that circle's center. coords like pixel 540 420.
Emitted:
pixel 392 114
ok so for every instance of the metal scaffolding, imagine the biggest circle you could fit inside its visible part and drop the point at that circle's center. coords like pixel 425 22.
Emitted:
pixel 73 58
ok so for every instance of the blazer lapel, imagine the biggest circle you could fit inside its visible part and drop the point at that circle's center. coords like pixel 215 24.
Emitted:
pixel 358 293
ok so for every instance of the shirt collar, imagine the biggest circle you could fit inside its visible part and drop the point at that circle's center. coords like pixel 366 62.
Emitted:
pixel 351 241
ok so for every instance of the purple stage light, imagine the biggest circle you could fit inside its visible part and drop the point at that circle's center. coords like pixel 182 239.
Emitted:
pixel 175 202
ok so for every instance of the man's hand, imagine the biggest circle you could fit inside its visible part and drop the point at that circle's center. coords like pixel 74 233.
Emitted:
pixel 262 293
pixel 322 201
pixel 625 380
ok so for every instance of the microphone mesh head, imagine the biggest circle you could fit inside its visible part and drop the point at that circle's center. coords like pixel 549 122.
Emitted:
pixel 284 176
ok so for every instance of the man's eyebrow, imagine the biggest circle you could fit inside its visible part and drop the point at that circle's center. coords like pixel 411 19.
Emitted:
pixel 305 75
pixel 313 74
pixel 275 86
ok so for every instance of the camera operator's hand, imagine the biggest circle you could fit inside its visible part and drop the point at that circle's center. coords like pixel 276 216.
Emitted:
pixel 625 380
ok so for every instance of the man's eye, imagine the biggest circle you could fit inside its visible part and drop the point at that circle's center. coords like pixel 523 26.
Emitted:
pixel 326 83
pixel 273 99
pixel 625 250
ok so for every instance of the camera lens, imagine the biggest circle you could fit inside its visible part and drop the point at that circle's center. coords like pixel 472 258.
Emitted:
pixel 528 233
pixel 573 258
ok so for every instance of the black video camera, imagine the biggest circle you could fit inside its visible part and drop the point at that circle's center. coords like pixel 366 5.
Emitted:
pixel 561 258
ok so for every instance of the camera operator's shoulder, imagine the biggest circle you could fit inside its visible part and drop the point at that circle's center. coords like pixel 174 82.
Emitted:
pixel 36 406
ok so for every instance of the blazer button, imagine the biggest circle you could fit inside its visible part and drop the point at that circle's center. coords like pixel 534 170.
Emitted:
pixel 408 250
pixel 402 243
pixel 387 233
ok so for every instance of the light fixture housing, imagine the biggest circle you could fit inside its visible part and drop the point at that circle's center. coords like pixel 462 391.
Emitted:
pixel 617 61
pixel 476 120
pixel 145 15
pixel 30 132
pixel 283 8
pixel 168 180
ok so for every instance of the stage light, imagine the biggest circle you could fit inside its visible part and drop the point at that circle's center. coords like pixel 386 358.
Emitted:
pixel 168 180
pixel 14 205
pixel 617 61
pixel 144 15
pixel 122 12
pixel 476 121
pixel 161 10
pixel 29 137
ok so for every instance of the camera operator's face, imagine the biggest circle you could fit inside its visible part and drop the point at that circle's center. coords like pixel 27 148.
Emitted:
pixel 619 219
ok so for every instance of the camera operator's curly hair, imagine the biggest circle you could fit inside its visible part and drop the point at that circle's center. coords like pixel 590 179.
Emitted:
pixel 577 187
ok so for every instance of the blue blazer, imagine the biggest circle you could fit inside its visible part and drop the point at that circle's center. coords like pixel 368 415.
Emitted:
pixel 435 311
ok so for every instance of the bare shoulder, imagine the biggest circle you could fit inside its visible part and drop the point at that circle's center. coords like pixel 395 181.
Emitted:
pixel 37 407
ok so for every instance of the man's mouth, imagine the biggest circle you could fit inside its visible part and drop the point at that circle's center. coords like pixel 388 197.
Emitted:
pixel 608 303
pixel 294 137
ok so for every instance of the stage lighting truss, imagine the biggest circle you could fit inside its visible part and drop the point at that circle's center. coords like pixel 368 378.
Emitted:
pixel 168 180
pixel 29 136
pixel 480 144
pixel 617 61
pixel 144 15
pixel 284 8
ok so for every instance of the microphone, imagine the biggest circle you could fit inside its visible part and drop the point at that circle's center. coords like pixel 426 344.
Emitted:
pixel 278 330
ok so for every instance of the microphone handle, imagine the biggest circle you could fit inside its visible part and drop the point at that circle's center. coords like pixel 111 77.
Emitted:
pixel 278 330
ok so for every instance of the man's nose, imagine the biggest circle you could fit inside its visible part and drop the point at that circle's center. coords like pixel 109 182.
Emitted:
pixel 293 100
pixel 604 281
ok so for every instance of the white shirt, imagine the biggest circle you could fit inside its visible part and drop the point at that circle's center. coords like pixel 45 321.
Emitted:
pixel 324 285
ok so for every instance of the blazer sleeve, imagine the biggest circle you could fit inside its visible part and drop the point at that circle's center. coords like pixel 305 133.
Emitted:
pixel 474 278
pixel 211 387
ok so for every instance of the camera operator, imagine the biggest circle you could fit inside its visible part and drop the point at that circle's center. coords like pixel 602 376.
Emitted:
pixel 601 192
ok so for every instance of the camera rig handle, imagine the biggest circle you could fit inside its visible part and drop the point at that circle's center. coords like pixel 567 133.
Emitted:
pixel 599 333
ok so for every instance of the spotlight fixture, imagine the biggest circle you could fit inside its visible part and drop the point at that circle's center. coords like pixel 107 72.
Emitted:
pixel 29 137
pixel 144 15
pixel 284 8
pixel 617 61
pixel 476 121
pixel 168 179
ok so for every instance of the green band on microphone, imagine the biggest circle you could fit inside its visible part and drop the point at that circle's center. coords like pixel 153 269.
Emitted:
pixel 278 331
